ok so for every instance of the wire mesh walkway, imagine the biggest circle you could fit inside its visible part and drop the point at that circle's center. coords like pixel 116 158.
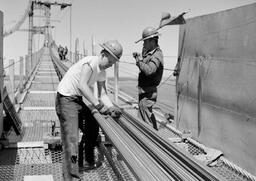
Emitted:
pixel 36 154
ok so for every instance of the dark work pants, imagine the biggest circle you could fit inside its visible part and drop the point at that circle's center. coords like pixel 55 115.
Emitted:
pixel 146 103
pixel 71 111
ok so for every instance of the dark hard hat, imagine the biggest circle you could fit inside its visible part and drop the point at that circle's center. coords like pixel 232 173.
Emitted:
pixel 114 48
pixel 149 32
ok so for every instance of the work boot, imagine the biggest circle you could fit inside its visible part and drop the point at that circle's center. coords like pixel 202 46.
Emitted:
pixel 90 166
pixel 75 177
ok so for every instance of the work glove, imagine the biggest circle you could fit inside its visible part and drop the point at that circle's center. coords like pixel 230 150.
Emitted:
pixel 102 108
pixel 114 112
pixel 137 56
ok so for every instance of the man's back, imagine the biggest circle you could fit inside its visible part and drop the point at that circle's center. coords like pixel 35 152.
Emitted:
pixel 152 69
pixel 69 84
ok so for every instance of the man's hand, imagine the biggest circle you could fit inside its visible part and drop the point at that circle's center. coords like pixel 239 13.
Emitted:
pixel 135 54
pixel 114 112
pixel 137 57
pixel 102 108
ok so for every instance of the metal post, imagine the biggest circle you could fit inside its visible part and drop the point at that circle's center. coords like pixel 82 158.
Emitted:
pixel 27 66
pixel 70 35
pixel 95 87
pixel 77 50
pixel 11 76
pixel 21 74
pixel 30 34
pixel 93 52
pixel 1 72
pixel 84 49
pixel 116 72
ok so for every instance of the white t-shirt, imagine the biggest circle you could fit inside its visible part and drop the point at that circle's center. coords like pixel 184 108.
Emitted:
pixel 69 84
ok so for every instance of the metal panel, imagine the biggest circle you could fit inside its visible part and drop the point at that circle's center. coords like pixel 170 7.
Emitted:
pixel 1 72
pixel 11 113
pixel 216 86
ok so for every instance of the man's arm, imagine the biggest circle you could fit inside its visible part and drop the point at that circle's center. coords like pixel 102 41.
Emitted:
pixel 151 66
pixel 102 93
pixel 113 111
pixel 83 84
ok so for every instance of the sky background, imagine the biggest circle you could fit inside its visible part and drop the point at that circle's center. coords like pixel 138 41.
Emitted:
pixel 123 20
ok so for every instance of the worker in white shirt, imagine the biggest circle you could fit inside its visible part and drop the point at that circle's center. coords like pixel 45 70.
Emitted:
pixel 71 110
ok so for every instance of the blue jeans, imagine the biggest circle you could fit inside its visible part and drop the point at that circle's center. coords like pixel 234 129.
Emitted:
pixel 146 102
pixel 71 111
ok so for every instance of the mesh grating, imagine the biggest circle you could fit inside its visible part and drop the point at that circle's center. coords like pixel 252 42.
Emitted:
pixel 47 74
pixel 104 172
pixel 166 133
pixel 38 115
pixel 228 173
pixel 43 68
pixel 123 169
pixel 40 100
pixel 49 68
pixel 46 66
pixel 36 161
pixel 42 87
pixel 32 156
pixel 31 132
pixel 194 150
pixel 46 79
pixel 173 133
pixel 38 169
pixel 55 155
pixel 7 172
pixel 35 133
pixel 221 168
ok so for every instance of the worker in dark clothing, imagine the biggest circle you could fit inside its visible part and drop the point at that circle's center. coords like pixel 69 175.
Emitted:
pixel 151 65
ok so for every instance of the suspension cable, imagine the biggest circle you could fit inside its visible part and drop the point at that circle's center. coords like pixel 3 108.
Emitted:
pixel 20 22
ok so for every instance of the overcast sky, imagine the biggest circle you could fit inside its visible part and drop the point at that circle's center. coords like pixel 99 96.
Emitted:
pixel 123 20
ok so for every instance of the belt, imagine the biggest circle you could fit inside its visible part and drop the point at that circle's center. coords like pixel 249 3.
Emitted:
pixel 74 96
pixel 142 90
